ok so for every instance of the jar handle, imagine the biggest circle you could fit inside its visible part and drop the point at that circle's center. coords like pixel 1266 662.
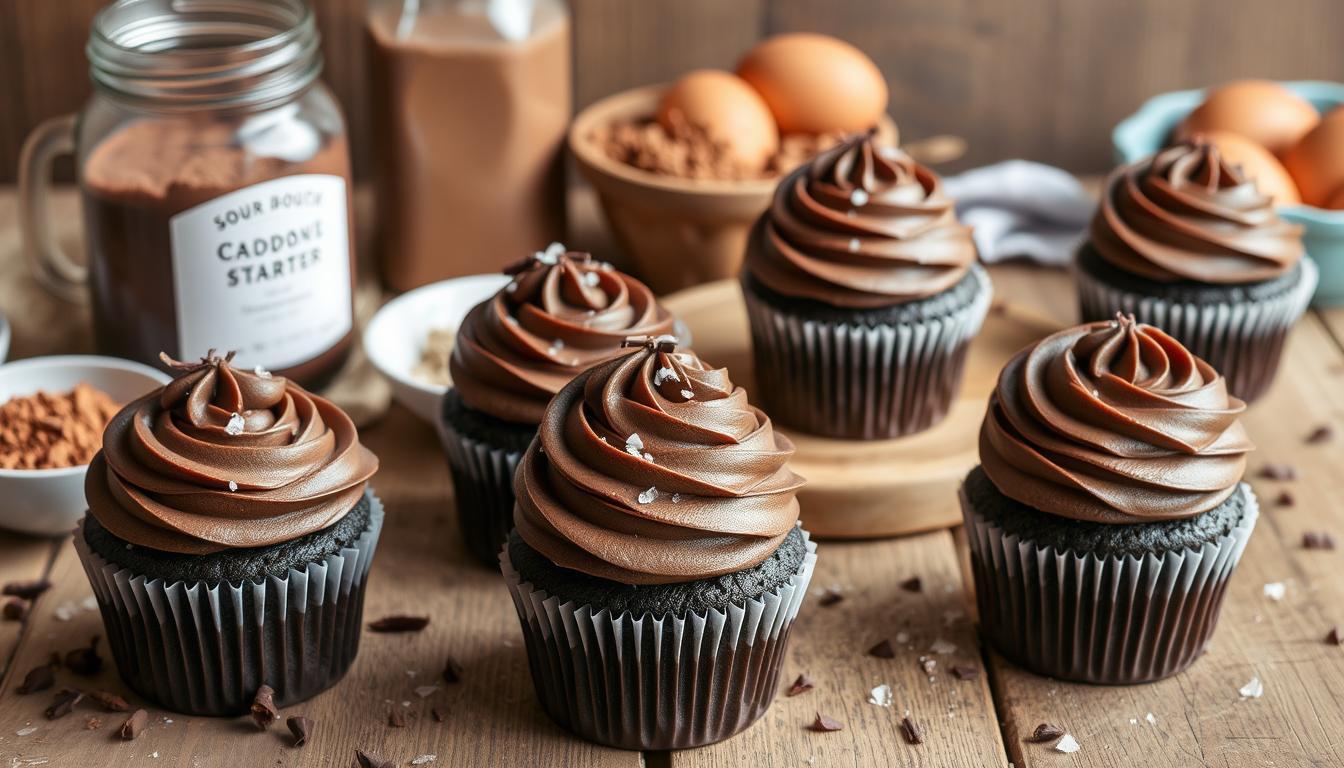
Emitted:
pixel 50 263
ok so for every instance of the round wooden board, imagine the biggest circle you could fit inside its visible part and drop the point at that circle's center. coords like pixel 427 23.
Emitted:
pixel 858 489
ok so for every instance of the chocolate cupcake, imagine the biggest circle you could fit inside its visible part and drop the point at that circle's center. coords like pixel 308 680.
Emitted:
pixel 863 294
pixel 658 565
pixel 561 314
pixel 1108 511
pixel 1183 240
pixel 228 540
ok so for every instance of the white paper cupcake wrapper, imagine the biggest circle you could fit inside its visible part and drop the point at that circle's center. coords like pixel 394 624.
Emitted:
pixel 1241 341
pixel 1100 619
pixel 664 682
pixel 857 381
pixel 482 490
pixel 203 648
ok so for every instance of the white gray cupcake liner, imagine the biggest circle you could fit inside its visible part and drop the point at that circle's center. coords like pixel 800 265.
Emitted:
pixel 862 382
pixel 482 490
pixel 1243 341
pixel 203 648
pixel 1100 619
pixel 657 682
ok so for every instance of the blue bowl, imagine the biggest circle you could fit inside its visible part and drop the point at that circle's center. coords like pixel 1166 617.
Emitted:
pixel 1146 131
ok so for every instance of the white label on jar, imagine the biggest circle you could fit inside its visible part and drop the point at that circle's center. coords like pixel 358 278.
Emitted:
pixel 265 271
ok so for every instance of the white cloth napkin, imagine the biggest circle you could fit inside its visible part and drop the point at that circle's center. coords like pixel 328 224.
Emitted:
pixel 1019 208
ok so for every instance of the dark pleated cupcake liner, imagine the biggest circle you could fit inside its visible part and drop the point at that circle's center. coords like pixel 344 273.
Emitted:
pixel 1242 341
pixel 653 683
pixel 483 489
pixel 1100 619
pixel 203 648
pixel 861 382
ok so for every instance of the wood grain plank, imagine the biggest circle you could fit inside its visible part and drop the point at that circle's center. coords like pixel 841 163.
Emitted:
pixel 421 567
pixel 22 558
pixel 1200 717
pixel 830 645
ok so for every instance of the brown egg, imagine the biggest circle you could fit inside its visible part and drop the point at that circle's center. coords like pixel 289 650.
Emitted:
pixel 815 83
pixel 730 110
pixel 1262 111
pixel 1317 161
pixel 1256 162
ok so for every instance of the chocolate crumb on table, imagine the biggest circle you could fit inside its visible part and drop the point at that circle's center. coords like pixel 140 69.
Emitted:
pixel 134 725
pixel 1278 471
pixel 913 584
pixel 825 724
pixel 883 650
pixel 370 760
pixel 64 703
pixel 830 596
pixel 1045 732
pixel 1318 540
pixel 802 685
pixel 399 624
pixel 39 678
pixel 109 701
pixel 1322 434
pixel 1285 499
pixel 263 707
pixel 911 731
pixel 302 729
pixel 452 671
pixel 85 661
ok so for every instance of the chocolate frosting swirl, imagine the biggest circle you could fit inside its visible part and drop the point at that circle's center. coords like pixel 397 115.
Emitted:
pixel 861 227
pixel 223 458
pixel 653 468
pixel 1187 214
pixel 562 313
pixel 1113 422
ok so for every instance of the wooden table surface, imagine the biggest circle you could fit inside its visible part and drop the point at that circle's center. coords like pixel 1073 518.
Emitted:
pixel 492 718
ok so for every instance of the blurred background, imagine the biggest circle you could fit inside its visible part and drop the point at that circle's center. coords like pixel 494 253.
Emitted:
pixel 1039 79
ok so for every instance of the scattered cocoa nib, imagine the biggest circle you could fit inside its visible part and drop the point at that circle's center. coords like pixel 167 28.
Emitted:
pixel 913 584
pixel 830 597
pixel 64 704
pixel 134 725
pixel 1275 471
pixel 263 707
pixel 911 731
pixel 85 661
pixel 883 650
pixel 109 701
pixel 399 624
pixel 38 679
pixel 1045 732
pixel 1322 434
pixel 966 672
pixel 824 724
pixel 436 714
pixel 396 718
pixel 28 590
pixel 367 760
pixel 1284 499
pixel 1334 636
pixel 452 671
pixel 802 685
pixel 301 727
pixel 1318 540
pixel 93 724
pixel 16 609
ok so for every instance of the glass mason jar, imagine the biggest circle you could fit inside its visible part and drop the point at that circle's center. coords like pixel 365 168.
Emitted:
pixel 471 101
pixel 215 179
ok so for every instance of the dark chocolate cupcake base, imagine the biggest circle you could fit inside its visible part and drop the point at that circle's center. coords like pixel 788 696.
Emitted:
pixel 1130 604
pixel 655 682
pixel 203 647
pixel 1240 330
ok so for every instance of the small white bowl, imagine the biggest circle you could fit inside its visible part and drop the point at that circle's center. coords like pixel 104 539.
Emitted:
pixel 50 501
pixel 395 336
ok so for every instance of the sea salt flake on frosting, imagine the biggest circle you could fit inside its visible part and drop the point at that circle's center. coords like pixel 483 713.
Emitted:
pixel 591 279
pixel 511 287
pixel 634 443
pixel 235 425
pixel 853 245
pixel 262 372
pixel 676 498
pixel 688 394
pixel 1253 689
pixel 551 255
pixel 233 486
pixel 664 374
pixel 1067 745
pixel 858 198
pixel 881 695
pixel 647 497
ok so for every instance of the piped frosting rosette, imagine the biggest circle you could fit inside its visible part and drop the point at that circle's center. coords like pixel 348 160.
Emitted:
pixel 224 458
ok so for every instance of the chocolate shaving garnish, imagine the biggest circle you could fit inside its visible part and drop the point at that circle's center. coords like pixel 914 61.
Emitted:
pixel 301 727
pixel 28 590
pixel 663 343
pixel 263 707
pixel 16 609
pixel 85 661
pixel 1284 499
pixel 911 731
pixel 38 679
pixel 824 724
pixel 436 714
pixel 830 597
pixel 1318 540
pixel 1045 732
pixel 93 723
pixel 802 685
pixel 912 584
pixel 452 671
pixel 64 704
pixel 1283 472
pixel 1322 434
pixel 395 718
pixel 367 760
pixel 399 624
pixel 883 650
pixel 109 701
pixel 965 672
pixel 134 725
pixel 1334 636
